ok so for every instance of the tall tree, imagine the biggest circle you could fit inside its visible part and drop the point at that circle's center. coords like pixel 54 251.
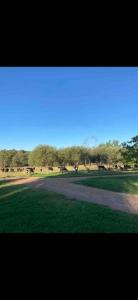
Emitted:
pixel 129 151
pixel 6 157
pixel 42 156
pixel 108 153
pixel 20 159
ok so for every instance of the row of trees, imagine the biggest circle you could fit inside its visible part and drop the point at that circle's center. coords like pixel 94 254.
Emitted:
pixel 13 158
pixel 110 153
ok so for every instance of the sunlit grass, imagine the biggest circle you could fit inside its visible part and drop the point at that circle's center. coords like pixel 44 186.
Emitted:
pixel 12 174
pixel 118 184
pixel 82 172
pixel 13 192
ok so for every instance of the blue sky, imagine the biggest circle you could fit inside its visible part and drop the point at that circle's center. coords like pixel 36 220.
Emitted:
pixel 65 106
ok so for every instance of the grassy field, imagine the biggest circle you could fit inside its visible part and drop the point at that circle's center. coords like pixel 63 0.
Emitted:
pixel 28 210
pixel 119 184
pixel 84 173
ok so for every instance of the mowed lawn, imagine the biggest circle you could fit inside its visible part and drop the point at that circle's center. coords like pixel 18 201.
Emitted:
pixel 119 184
pixel 28 210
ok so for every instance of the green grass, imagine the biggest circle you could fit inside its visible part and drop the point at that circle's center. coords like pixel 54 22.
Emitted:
pixel 118 184
pixel 28 210
pixel 83 173
pixel 69 174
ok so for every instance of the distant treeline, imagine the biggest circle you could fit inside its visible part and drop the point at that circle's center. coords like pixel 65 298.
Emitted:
pixel 110 153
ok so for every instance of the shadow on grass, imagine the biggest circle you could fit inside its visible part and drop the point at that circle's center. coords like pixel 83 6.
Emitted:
pixel 70 190
pixel 11 193
pixel 7 189
pixel 127 185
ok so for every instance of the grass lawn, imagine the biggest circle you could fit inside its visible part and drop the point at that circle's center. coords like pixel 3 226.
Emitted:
pixel 83 173
pixel 118 184
pixel 69 174
pixel 33 210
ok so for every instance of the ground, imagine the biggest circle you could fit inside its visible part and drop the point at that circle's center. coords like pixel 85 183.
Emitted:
pixel 25 208
pixel 69 188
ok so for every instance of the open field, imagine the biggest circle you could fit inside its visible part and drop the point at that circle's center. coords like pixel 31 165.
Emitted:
pixel 127 184
pixel 27 209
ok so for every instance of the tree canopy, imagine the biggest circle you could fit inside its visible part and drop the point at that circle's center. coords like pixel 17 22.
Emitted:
pixel 6 157
pixel 20 159
pixel 129 151
pixel 43 155
pixel 110 153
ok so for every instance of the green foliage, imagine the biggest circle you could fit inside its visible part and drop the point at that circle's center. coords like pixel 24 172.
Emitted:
pixel 10 158
pixel 129 151
pixel 20 159
pixel 6 157
pixel 108 153
pixel 43 155
pixel 73 155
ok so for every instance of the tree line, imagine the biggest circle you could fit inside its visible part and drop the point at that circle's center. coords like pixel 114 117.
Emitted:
pixel 110 153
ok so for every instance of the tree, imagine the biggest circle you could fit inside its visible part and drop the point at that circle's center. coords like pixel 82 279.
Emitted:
pixel 86 157
pixel 75 155
pixel 129 151
pixel 43 155
pixel 108 153
pixel 20 159
pixel 3 158
pixel 99 155
pixel 62 156
pixel 6 157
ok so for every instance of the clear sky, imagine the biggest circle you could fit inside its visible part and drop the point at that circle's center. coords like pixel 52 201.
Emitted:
pixel 65 106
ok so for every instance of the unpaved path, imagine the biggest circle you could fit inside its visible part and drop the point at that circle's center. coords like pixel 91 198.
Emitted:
pixel 67 187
